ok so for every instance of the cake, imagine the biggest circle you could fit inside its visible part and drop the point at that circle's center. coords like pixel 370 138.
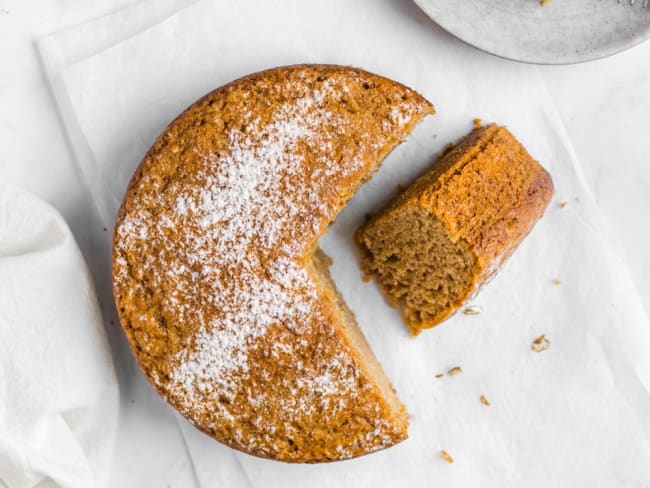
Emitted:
pixel 446 235
pixel 220 286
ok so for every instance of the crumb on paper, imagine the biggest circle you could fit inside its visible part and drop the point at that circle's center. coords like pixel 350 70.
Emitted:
pixel 541 344
pixel 440 375
pixel 577 199
pixel 472 310
pixel 435 136
pixel 557 281
pixel 484 400
pixel 445 455
pixel 454 371
pixel 563 204
pixel 420 21
pixel 543 2
pixel 477 123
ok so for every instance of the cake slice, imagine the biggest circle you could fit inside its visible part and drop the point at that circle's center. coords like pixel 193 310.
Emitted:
pixel 434 246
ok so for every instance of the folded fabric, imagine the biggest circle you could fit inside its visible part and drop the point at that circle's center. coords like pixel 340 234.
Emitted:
pixel 58 391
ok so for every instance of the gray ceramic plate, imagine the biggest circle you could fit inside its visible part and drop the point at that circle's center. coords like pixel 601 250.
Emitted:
pixel 562 32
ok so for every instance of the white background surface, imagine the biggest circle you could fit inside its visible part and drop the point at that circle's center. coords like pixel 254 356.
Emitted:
pixel 605 106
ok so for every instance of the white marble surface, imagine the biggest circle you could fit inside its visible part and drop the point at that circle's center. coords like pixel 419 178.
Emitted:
pixel 605 106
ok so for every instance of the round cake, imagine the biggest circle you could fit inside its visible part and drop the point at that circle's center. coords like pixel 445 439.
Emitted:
pixel 218 280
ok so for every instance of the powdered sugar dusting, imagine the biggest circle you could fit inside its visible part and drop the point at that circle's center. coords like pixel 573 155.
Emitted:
pixel 237 208
pixel 249 214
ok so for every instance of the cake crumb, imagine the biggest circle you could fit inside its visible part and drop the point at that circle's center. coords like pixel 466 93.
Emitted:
pixel 577 199
pixel 454 371
pixel 477 123
pixel 472 310
pixel 484 400
pixel 563 204
pixel 440 375
pixel 445 455
pixel 557 281
pixel 541 344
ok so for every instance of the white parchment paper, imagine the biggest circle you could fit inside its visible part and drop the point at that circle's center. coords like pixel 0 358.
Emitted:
pixel 575 415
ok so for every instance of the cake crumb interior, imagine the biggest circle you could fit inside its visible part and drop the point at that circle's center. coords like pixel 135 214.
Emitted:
pixel 418 266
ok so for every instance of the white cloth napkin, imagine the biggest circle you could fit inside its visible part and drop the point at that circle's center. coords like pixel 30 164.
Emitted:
pixel 575 415
pixel 58 392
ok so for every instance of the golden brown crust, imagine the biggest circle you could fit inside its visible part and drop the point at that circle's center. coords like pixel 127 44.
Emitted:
pixel 491 199
pixel 212 271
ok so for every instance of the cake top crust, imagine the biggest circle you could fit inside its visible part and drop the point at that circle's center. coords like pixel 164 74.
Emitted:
pixel 213 274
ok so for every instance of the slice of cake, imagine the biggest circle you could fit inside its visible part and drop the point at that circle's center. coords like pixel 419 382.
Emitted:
pixel 451 230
